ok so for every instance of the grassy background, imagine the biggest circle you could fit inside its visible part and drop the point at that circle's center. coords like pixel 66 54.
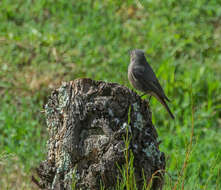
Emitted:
pixel 44 42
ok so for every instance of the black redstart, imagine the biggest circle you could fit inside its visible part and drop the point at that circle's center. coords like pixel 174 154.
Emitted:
pixel 142 78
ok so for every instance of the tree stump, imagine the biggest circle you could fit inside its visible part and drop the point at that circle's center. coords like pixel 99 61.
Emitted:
pixel 87 121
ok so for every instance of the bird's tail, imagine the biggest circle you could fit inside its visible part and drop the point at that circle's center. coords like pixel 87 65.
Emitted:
pixel 162 101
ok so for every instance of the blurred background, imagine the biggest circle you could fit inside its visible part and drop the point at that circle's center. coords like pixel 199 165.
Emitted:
pixel 45 42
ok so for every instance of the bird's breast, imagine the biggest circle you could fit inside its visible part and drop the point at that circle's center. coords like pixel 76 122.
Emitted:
pixel 133 80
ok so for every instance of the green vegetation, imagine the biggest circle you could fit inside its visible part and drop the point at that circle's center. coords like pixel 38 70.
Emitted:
pixel 44 42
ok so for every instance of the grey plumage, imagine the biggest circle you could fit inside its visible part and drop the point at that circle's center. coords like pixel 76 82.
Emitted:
pixel 142 78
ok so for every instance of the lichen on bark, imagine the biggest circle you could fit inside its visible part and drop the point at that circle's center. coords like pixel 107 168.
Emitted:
pixel 86 122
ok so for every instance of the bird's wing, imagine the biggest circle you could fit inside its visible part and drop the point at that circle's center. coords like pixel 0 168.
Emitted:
pixel 148 84
pixel 152 86
pixel 161 89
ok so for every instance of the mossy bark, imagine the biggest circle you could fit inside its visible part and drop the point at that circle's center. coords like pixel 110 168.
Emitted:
pixel 87 121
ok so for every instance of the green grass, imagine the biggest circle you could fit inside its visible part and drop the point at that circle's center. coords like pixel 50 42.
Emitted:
pixel 44 42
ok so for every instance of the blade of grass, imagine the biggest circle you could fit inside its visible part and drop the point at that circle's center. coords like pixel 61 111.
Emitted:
pixel 182 173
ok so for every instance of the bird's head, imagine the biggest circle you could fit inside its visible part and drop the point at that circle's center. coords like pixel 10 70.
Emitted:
pixel 137 55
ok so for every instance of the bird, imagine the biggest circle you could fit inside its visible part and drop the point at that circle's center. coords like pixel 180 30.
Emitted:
pixel 142 77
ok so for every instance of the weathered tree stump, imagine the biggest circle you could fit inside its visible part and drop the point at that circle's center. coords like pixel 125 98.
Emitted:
pixel 87 121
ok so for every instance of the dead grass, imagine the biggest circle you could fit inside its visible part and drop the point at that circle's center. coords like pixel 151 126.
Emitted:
pixel 13 175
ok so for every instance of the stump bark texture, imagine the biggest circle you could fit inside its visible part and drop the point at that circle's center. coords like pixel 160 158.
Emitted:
pixel 87 121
